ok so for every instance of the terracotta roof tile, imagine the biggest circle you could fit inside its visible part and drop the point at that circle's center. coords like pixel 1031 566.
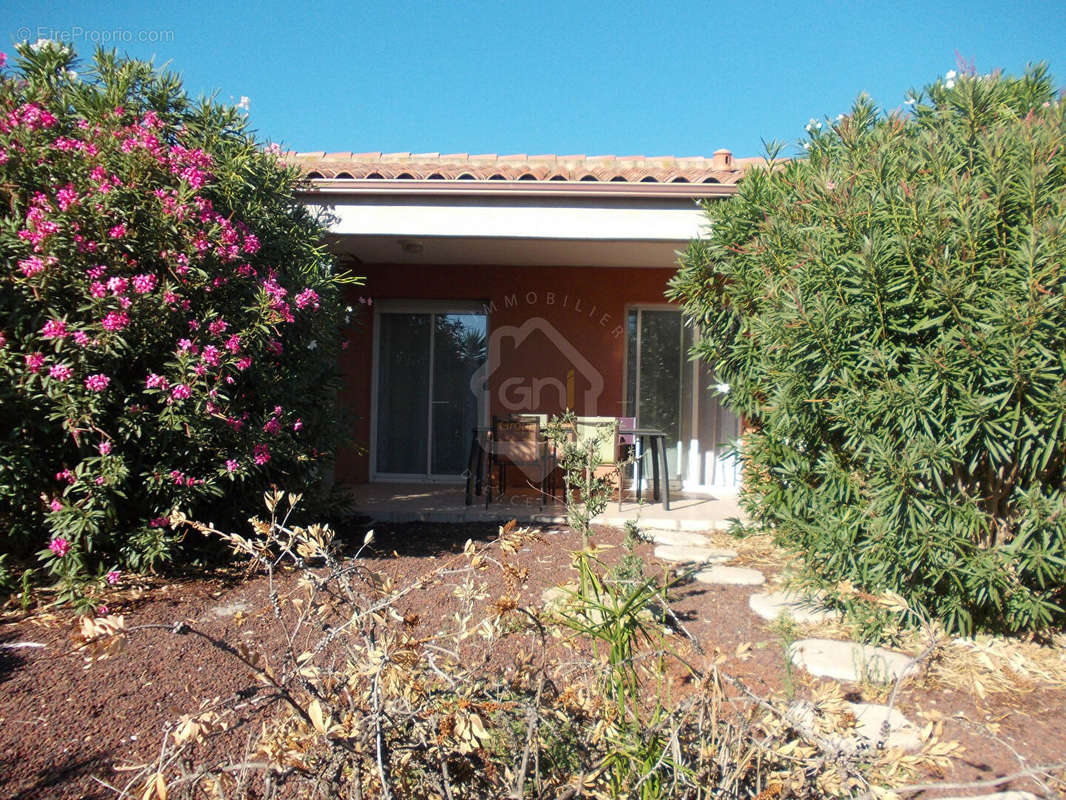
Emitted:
pixel 720 168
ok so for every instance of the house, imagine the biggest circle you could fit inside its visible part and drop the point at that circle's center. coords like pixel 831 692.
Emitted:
pixel 503 284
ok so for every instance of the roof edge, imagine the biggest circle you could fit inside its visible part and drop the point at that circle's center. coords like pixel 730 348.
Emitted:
pixel 484 188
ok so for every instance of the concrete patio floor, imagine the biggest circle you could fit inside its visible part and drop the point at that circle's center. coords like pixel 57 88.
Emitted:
pixel 445 502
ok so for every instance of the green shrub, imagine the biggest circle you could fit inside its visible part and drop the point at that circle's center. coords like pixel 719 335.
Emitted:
pixel 889 314
pixel 169 320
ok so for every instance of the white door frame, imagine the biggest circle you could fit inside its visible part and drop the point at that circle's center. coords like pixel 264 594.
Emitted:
pixel 698 462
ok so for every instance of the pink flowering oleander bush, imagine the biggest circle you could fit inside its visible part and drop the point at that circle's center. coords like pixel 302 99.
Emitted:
pixel 169 321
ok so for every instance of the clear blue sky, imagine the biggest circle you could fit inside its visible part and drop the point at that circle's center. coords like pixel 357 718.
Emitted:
pixel 623 78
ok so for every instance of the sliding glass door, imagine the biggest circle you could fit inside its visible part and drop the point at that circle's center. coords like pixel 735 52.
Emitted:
pixel 425 410
pixel 668 392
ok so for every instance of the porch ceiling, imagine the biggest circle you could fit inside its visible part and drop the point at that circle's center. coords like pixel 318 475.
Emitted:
pixel 517 227
pixel 499 251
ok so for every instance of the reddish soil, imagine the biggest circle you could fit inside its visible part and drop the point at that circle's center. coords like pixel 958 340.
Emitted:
pixel 61 724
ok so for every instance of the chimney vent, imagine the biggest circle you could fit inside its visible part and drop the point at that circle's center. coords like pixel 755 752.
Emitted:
pixel 722 160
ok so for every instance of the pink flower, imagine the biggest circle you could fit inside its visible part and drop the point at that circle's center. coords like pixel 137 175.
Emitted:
pixel 3 59
pixel 97 382
pixel 185 345
pixel 97 272
pixel 55 329
pixel 65 475
pixel 104 447
pixel 115 321
pixel 98 289
pixel 118 231
pixel 212 355
pixel 99 480
pixel 34 362
pixel 56 504
pixel 59 546
pixel 233 344
pixel 308 297
pixel 298 425
pixel 31 266
pixel 218 326
pixel 180 392
pixel 60 372
pixel 261 454
pixel 66 197
pixel 81 338
pixel 275 347
pixel 243 363
pixel 161 522
pixel 154 381
pixel 231 465
pixel 113 577
pixel 142 284
pixel 272 426
pixel 102 611
pixel 117 285
pixel 170 298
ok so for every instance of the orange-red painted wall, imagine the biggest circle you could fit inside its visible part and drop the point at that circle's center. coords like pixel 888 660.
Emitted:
pixel 549 325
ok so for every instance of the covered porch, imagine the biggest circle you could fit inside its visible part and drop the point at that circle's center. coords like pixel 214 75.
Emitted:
pixel 521 286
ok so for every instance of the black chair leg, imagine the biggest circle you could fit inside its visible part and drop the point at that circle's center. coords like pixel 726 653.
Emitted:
pixel 666 478
pixel 655 469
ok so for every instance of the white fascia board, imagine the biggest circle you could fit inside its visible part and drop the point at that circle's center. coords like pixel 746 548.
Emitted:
pixel 670 220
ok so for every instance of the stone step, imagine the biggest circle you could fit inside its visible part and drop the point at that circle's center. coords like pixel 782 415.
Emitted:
pixel 730 576
pixel 677 538
pixel 689 554
pixel 869 718
pixel 772 605
pixel 850 661
pixel 555 597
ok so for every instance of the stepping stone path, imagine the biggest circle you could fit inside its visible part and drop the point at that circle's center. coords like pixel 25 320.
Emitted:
pixel 730 576
pixel 827 658
pixel 849 661
pixel 772 605
pixel 688 553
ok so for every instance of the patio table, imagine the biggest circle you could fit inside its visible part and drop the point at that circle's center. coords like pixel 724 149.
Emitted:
pixel 657 440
